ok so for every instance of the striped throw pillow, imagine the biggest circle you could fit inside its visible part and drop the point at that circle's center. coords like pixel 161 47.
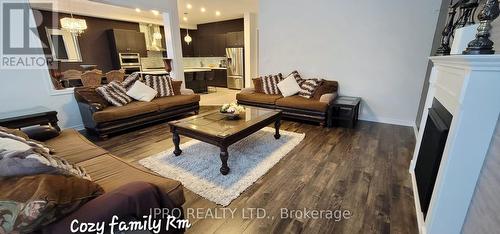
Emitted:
pixel 162 84
pixel 308 86
pixel 270 84
pixel 130 80
pixel 114 93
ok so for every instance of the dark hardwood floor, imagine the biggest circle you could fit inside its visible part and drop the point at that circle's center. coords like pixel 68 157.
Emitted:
pixel 363 170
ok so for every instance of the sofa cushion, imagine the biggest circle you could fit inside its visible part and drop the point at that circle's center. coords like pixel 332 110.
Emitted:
pixel 270 84
pixel 176 84
pixel 74 147
pixel 111 173
pixel 299 102
pixel 162 84
pixel 114 93
pixel 289 87
pixel 141 92
pixel 257 84
pixel 122 112
pixel 327 86
pixel 258 98
pixel 30 202
pixel 177 100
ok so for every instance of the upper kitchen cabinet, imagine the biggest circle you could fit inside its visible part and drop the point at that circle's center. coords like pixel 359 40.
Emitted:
pixel 212 45
pixel 235 39
pixel 189 50
pixel 127 41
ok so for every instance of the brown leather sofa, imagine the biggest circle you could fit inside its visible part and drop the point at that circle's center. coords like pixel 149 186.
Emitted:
pixel 103 118
pixel 110 172
pixel 315 109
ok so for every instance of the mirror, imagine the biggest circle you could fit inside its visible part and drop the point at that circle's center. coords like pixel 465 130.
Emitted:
pixel 63 45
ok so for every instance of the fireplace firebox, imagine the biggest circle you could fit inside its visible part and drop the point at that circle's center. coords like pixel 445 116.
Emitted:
pixel 431 151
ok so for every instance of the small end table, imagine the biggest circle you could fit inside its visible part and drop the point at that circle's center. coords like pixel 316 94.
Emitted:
pixel 346 111
pixel 29 117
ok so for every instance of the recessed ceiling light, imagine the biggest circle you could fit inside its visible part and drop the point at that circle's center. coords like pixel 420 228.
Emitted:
pixel 217 13
pixel 203 9
pixel 185 18
pixel 155 12
pixel 189 6
pixel 137 10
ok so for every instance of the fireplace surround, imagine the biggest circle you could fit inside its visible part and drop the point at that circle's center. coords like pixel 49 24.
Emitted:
pixel 468 87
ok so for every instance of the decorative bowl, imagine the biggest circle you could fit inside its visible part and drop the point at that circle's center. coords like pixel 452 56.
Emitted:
pixel 231 115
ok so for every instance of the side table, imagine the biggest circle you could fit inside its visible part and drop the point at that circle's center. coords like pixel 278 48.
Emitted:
pixel 345 111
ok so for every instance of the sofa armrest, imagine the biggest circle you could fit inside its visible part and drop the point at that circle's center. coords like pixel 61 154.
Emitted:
pixel 187 92
pixel 95 107
pixel 247 90
pixel 328 97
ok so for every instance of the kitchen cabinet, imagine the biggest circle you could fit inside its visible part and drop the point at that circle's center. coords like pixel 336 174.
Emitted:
pixel 235 39
pixel 189 50
pixel 220 78
pixel 213 45
pixel 127 41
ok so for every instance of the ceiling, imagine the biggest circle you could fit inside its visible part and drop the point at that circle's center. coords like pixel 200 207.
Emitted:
pixel 126 9
pixel 229 9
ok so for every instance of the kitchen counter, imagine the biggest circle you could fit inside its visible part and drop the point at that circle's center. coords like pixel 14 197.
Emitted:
pixel 202 69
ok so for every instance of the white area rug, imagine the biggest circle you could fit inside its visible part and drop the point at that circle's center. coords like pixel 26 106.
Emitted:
pixel 198 165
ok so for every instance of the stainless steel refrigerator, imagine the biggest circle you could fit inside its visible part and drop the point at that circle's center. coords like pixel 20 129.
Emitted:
pixel 235 68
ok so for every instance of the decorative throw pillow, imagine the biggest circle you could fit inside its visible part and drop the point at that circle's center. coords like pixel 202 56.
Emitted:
pixel 21 157
pixel 141 92
pixel 308 87
pixel 162 84
pixel 30 202
pixel 289 87
pixel 114 93
pixel 257 84
pixel 270 84
pixel 295 74
pixel 130 80
pixel 327 86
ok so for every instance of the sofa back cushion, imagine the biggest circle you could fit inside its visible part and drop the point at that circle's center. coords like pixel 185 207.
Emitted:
pixel 162 84
pixel 257 84
pixel 30 202
pixel 327 86
pixel 176 84
pixel 114 93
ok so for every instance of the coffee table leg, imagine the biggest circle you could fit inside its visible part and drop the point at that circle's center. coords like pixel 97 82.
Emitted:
pixel 277 125
pixel 223 157
pixel 176 140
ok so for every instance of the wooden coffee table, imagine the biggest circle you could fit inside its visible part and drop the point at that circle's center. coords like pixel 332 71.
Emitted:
pixel 216 129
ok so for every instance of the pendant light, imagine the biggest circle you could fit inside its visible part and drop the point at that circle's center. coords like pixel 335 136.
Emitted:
pixel 74 26
pixel 188 38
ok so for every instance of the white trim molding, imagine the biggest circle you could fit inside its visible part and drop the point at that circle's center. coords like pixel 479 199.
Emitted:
pixel 468 86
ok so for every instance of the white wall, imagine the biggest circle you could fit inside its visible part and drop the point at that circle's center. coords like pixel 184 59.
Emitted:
pixel 376 49
pixel 24 88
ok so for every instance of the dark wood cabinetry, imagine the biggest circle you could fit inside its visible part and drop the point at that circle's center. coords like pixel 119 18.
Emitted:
pixel 235 39
pixel 189 50
pixel 211 45
pixel 218 78
pixel 127 41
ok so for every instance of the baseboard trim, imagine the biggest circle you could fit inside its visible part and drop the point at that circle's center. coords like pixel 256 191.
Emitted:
pixel 387 120
pixel 415 130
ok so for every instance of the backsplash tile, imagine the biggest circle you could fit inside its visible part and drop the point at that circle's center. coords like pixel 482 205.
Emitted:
pixel 206 61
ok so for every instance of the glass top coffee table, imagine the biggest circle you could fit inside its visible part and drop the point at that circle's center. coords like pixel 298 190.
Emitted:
pixel 216 129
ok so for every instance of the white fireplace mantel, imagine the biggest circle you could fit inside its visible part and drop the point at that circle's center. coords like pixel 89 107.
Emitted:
pixel 469 88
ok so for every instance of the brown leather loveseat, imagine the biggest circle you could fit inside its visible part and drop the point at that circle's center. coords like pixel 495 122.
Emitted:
pixel 103 118
pixel 316 109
